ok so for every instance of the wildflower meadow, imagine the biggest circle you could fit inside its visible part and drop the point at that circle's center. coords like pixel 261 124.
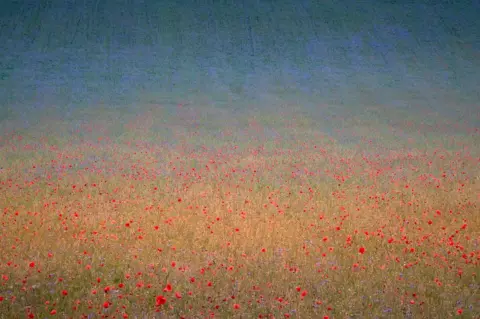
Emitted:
pixel 189 211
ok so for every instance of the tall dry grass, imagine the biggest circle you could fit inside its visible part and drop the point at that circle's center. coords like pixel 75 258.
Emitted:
pixel 184 215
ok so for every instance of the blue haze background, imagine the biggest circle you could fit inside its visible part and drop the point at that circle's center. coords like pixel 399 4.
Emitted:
pixel 77 54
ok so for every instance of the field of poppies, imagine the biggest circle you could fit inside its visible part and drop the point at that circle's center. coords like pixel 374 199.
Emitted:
pixel 195 212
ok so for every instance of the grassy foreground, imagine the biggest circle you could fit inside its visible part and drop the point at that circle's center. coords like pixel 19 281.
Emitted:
pixel 193 215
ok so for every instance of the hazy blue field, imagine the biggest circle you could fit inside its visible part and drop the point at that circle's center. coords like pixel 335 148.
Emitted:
pixel 239 55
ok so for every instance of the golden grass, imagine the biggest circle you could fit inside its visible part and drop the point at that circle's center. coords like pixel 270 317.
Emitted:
pixel 98 224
